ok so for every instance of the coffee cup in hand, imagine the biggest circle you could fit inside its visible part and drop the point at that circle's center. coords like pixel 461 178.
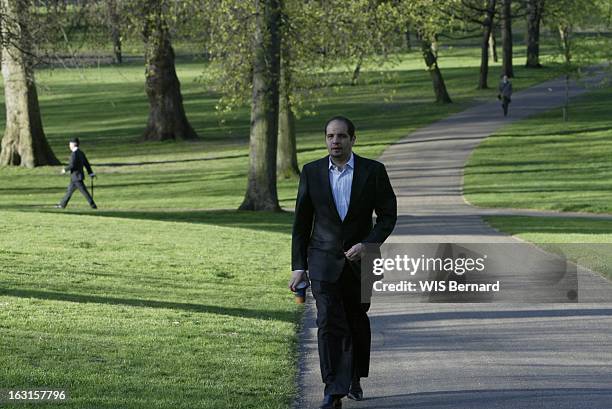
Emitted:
pixel 300 292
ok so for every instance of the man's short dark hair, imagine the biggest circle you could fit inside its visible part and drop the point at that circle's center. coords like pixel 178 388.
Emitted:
pixel 347 122
pixel 75 141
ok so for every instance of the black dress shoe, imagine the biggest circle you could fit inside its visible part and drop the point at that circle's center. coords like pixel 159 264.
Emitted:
pixel 355 393
pixel 93 206
pixel 331 402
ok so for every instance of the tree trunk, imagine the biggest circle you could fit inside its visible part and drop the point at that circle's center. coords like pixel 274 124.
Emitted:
pixel 408 40
pixel 565 31
pixel 567 100
pixel 564 34
pixel 487 27
pixel 167 119
pixel 484 58
pixel 24 142
pixel 113 19
pixel 534 17
pixel 261 193
pixel 436 76
pixel 434 46
pixel 287 164
pixel 507 38
pixel 493 45
pixel 357 70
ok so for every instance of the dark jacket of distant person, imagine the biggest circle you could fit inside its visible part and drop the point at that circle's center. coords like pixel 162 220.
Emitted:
pixel 505 89
pixel 78 160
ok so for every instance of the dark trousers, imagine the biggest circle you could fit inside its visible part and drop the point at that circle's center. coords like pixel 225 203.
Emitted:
pixel 343 331
pixel 74 185
pixel 505 103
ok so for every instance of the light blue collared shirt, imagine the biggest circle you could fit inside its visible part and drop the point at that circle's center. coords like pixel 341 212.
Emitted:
pixel 341 182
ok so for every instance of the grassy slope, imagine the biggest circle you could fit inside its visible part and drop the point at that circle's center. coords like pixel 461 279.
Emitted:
pixel 545 163
pixel 167 296
pixel 133 314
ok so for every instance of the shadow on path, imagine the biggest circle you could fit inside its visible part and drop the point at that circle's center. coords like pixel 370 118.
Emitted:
pixel 542 398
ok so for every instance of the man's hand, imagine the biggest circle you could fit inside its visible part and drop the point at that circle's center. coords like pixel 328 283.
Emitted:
pixel 63 171
pixel 354 253
pixel 297 276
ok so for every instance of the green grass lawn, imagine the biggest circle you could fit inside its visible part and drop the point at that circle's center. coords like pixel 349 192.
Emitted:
pixel 107 108
pixel 147 314
pixel 167 296
pixel 545 163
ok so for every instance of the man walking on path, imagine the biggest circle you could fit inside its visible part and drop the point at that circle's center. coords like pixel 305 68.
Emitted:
pixel 78 160
pixel 505 93
pixel 336 199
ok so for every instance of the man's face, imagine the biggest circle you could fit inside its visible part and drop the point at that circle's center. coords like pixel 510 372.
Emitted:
pixel 505 78
pixel 339 143
pixel 72 146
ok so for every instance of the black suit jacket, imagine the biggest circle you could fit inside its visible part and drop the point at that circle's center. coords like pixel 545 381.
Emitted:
pixel 78 160
pixel 320 237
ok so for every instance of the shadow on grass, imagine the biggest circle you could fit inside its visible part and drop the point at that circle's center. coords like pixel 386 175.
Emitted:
pixel 235 156
pixel 116 164
pixel 276 222
pixel 284 316
pixel 535 189
pixel 160 181
pixel 550 225
pixel 557 132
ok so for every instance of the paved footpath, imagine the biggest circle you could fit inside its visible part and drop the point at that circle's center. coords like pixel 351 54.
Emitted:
pixel 472 356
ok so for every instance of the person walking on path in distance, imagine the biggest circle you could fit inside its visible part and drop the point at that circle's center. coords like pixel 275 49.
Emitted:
pixel 337 196
pixel 78 160
pixel 505 93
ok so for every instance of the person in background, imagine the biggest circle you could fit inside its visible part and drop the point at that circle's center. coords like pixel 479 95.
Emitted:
pixel 78 160
pixel 505 93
